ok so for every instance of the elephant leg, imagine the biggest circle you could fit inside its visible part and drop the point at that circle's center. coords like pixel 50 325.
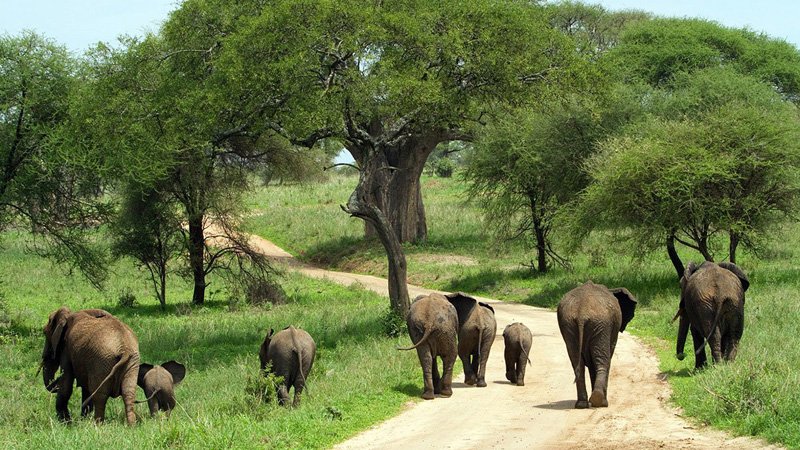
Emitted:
pixel 437 380
pixel 426 361
pixel 592 372
pixel 88 408
pixel 152 403
pixel 63 396
pixel 511 361
pixel 99 400
pixel 466 362
pixel 283 394
pixel 448 362
pixel 600 367
pixel 298 389
pixel 521 366
pixel 699 349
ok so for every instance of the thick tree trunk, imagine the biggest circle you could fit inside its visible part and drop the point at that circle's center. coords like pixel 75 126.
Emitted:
pixel 702 247
pixel 673 256
pixel 196 258
pixel 734 243
pixel 539 231
pixel 398 190
pixel 363 203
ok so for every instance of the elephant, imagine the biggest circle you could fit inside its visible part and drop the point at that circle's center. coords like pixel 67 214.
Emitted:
pixel 712 306
pixel 96 350
pixel 291 354
pixel 476 332
pixel 589 318
pixel 517 339
pixel 158 384
pixel 433 327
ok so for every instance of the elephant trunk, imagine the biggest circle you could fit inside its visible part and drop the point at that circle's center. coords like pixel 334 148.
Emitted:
pixel 49 369
pixel 683 331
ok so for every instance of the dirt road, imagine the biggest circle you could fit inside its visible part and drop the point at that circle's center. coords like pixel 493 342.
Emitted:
pixel 539 414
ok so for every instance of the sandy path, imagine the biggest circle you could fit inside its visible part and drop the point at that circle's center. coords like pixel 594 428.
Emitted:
pixel 539 414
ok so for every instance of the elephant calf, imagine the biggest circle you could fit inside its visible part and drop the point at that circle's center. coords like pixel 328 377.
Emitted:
pixel 433 327
pixel 291 354
pixel 517 338
pixel 589 318
pixel 158 384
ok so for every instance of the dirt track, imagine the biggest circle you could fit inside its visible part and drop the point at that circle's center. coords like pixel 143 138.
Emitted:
pixel 540 414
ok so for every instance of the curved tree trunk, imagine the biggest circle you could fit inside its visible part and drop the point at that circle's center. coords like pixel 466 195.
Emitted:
pixel 734 243
pixel 363 203
pixel 673 255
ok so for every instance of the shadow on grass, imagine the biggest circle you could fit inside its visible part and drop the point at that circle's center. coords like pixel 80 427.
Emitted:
pixel 409 389
pixel 682 373
pixel 333 252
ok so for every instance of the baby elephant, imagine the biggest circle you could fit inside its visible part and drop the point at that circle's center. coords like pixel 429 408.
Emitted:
pixel 291 352
pixel 517 338
pixel 158 383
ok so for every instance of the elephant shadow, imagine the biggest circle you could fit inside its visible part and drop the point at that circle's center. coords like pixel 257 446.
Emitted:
pixel 680 373
pixel 559 405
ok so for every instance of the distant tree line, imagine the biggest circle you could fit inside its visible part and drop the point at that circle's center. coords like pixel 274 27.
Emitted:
pixel 567 119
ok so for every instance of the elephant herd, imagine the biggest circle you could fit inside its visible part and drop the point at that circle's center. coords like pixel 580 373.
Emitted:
pixel 589 319
pixel 100 354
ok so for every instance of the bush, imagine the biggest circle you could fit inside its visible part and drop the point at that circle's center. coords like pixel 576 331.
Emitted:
pixel 263 387
pixel 394 325
pixel 444 168
pixel 127 299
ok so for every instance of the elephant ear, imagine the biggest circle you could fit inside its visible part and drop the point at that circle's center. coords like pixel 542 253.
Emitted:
pixel 143 369
pixel 464 304
pixel 738 272
pixel 627 304
pixel 177 370
pixel 487 306
pixel 58 323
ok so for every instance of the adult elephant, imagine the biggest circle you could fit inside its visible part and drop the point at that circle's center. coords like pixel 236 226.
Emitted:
pixel 433 327
pixel 98 351
pixel 477 328
pixel 712 307
pixel 289 353
pixel 590 318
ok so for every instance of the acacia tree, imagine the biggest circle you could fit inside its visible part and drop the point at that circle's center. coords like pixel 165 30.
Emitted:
pixel 164 115
pixel 37 184
pixel 391 80
pixel 720 153
pixel 526 167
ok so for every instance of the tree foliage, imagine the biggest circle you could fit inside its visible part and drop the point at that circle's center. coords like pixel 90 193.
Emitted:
pixel 719 153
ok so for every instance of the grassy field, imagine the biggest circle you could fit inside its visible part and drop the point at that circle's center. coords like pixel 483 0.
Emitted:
pixel 753 396
pixel 358 377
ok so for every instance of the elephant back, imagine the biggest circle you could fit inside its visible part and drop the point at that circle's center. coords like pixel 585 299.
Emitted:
pixel 713 282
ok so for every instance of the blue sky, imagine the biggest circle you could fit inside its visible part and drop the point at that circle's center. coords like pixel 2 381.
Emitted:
pixel 80 23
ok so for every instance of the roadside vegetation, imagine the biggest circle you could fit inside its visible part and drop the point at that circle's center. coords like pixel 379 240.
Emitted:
pixel 358 378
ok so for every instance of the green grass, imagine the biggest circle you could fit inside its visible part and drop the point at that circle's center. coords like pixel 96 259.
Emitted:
pixel 358 377
pixel 753 396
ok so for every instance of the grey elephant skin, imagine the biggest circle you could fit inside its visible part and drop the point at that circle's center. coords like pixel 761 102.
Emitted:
pixel 712 307
pixel 158 384
pixel 96 350
pixel 289 353
pixel 477 328
pixel 517 339
pixel 590 317
pixel 433 327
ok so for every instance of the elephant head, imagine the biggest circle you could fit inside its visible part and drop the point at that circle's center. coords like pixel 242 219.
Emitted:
pixel 464 305
pixel 54 332
pixel 175 369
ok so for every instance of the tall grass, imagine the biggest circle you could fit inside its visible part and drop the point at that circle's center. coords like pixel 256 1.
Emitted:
pixel 358 377
pixel 752 396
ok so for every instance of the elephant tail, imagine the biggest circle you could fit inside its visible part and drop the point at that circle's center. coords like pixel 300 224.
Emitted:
pixel 421 341
pixel 122 361
pixel 714 324
pixel 579 363
pixel 148 398
pixel 299 351
pixel 527 355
